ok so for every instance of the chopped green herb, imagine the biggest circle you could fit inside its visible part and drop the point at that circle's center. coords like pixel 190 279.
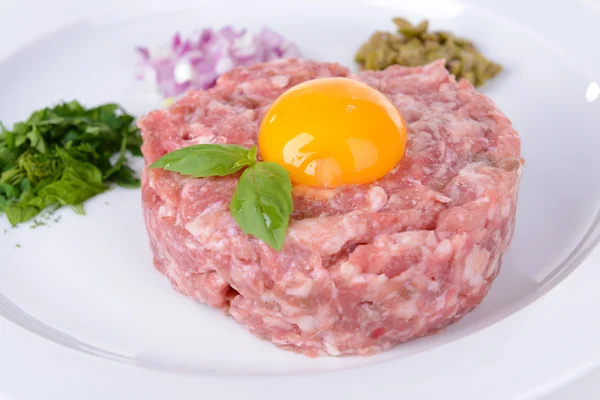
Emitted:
pixel 37 223
pixel 63 156
pixel 18 246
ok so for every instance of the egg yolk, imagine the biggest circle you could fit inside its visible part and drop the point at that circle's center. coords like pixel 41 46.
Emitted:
pixel 333 131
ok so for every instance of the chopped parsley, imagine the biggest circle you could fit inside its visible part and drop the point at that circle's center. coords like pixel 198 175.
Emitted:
pixel 63 156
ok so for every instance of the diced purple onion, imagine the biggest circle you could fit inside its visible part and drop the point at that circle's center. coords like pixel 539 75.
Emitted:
pixel 197 62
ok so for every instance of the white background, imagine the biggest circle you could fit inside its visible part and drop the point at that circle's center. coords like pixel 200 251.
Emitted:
pixel 26 20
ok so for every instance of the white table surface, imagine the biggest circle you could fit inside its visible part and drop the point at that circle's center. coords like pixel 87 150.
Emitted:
pixel 24 21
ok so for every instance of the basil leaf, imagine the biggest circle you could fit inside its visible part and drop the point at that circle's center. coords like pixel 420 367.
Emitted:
pixel 207 160
pixel 252 154
pixel 262 202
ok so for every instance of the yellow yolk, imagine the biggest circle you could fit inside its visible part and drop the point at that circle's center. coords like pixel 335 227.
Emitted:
pixel 333 131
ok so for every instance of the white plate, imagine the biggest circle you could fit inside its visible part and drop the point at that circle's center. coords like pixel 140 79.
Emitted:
pixel 107 325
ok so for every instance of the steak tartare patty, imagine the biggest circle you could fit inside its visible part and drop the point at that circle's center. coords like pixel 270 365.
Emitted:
pixel 364 267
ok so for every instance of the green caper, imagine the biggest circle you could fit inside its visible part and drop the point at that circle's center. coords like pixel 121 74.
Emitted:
pixel 413 45
pixel 470 76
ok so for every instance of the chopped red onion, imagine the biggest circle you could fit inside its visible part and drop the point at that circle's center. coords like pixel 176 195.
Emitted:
pixel 197 62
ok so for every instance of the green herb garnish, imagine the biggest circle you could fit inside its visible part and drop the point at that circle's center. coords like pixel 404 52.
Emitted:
pixel 63 156
pixel 205 160
pixel 262 201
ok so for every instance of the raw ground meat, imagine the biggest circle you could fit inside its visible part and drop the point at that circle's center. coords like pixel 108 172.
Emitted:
pixel 364 267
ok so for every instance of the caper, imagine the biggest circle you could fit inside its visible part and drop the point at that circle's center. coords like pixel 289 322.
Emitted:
pixel 414 45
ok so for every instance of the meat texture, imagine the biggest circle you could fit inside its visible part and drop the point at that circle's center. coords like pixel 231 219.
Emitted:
pixel 364 267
